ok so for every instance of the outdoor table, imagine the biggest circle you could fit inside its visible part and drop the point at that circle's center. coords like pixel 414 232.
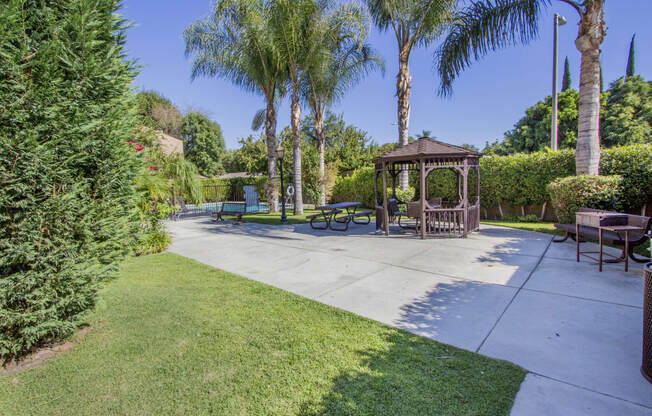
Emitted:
pixel 330 213
pixel 603 222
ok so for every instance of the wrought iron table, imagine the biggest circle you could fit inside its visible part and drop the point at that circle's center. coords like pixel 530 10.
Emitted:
pixel 329 213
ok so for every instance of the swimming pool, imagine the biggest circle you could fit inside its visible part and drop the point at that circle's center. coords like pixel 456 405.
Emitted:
pixel 209 207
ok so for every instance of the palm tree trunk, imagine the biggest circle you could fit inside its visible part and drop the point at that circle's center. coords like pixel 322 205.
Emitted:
pixel 321 145
pixel 270 134
pixel 296 148
pixel 403 90
pixel 591 34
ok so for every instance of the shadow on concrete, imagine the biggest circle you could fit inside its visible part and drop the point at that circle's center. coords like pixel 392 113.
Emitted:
pixel 407 374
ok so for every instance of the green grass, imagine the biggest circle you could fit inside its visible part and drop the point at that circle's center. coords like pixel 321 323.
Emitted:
pixel 542 227
pixel 172 336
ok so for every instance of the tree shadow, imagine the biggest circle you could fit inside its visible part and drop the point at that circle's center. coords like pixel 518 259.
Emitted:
pixel 410 375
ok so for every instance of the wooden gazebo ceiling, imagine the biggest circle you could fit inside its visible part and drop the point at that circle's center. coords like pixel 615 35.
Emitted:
pixel 426 148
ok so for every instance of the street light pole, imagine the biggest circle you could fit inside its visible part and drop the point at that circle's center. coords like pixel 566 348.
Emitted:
pixel 559 21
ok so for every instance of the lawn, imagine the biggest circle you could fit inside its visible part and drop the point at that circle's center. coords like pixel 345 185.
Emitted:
pixel 172 336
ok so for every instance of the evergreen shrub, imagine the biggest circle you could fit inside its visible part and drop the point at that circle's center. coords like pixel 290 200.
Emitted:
pixel 67 195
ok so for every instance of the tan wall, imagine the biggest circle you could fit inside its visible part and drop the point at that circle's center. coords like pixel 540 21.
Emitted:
pixel 169 144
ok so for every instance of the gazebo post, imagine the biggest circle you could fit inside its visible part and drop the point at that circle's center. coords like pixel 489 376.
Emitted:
pixel 423 198
pixel 385 212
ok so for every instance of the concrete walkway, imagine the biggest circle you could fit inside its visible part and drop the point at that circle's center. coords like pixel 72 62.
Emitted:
pixel 504 293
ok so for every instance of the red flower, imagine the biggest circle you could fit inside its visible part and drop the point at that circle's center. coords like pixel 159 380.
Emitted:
pixel 153 168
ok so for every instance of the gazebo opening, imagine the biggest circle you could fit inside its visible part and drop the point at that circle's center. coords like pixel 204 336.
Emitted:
pixel 433 215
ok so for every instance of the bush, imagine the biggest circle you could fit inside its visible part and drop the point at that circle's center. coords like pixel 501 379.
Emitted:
pixel 357 187
pixel 154 242
pixel 67 173
pixel 574 192
pixel 634 164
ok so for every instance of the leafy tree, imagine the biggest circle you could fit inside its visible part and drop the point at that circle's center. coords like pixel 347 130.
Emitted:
pixel 327 80
pixel 250 157
pixel 566 79
pixel 159 113
pixel 487 25
pixel 68 175
pixel 235 42
pixel 415 23
pixel 532 132
pixel 203 143
pixel 631 60
pixel 628 112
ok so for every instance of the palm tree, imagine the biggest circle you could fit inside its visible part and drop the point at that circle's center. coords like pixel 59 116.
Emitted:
pixel 415 23
pixel 328 79
pixel 235 43
pixel 487 25
pixel 302 36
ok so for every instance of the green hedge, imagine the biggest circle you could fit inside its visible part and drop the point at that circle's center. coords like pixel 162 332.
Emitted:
pixel 521 179
pixel 573 192
pixel 67 169
pixel 357 187
pixel 634 164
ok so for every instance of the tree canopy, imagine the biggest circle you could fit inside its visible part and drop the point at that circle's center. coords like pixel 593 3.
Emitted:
pixel 203 143
pixel 157 112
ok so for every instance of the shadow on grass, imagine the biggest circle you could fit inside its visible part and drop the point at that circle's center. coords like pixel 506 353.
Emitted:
pixel 410 375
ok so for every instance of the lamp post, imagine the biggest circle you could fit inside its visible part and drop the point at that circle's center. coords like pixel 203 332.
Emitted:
pixel 559 21
pixel 280 153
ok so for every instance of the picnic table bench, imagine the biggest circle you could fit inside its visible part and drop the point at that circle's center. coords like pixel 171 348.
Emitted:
pixel 626 238
pixel 329 215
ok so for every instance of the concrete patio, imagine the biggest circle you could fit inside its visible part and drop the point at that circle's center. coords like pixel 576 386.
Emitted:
pixel 504 293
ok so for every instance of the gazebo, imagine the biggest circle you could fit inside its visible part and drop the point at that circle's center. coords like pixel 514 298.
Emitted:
pixel 439 218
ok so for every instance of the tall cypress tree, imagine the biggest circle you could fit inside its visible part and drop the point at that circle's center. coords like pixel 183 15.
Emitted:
pixel 631 60
pixel 67 174
pixel 601 80
pixel 566 79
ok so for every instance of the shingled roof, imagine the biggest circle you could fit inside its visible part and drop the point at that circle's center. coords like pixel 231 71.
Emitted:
pixel 425 147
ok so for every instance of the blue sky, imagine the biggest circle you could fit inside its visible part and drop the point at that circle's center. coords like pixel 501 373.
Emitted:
pixel 488 98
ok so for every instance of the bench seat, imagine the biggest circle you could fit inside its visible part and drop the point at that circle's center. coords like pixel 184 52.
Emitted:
pixel 347 219
pixel 610 237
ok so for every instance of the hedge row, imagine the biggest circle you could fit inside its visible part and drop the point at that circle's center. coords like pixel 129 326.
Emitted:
pixel 521 179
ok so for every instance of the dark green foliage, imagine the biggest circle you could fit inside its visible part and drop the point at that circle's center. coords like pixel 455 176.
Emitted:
pixel 566 79
pixel 157 112
pixel 203 143
pixel 347 146
pixel 634 164
pixel 358 187
pixel 570 194
pixel 631 59
pixel 521 179
pixel 626 118
pixel 532 132
pixel 67 197
pixel 627 115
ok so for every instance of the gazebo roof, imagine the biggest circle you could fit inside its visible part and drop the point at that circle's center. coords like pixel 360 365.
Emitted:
pixel 427 148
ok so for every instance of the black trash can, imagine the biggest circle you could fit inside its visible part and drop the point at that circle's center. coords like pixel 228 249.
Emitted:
pixel 646 367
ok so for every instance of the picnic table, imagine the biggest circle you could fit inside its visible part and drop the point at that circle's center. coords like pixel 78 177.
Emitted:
pixel 604 221
pixel 338 213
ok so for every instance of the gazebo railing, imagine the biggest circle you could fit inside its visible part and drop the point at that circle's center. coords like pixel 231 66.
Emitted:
pixel 474 217
pixel 445 221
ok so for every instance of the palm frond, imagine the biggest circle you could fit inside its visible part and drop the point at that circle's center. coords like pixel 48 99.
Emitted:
pixel 482 27
pixel 259 119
